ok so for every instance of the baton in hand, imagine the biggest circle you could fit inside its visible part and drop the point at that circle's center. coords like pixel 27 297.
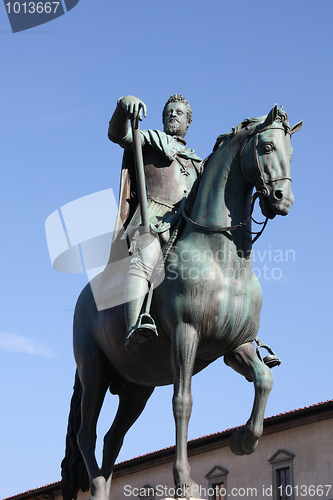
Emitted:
pixel 140 175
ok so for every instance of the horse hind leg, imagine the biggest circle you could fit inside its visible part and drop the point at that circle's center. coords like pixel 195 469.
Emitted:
pixel 95 375
pixel 132 400
pixel 246 362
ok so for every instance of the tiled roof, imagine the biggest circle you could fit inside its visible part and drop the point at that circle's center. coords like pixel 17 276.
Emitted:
pixel 36 491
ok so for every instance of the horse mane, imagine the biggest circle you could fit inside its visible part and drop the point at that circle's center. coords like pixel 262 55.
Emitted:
pixel 234 131
pixel 248 123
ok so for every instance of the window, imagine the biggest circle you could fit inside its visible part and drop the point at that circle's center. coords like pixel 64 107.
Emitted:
pixel 282 473
pixel 217 483
pixel 282 483
pixel 219 491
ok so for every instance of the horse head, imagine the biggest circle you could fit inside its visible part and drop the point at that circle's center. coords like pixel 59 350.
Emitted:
pixel 265 160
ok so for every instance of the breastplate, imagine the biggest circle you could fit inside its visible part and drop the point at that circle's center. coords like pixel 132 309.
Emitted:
pixel 167 180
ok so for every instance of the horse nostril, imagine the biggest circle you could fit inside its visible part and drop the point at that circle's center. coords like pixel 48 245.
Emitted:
pixel 278 194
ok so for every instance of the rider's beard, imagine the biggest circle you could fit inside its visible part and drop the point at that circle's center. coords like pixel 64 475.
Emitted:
pixel 173 127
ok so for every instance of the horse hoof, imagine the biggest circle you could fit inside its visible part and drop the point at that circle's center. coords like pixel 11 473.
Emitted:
pixel 187 490
pixel 242 442
pixel 98 489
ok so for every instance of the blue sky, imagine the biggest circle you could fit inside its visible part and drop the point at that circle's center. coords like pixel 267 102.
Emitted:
pixel 59 86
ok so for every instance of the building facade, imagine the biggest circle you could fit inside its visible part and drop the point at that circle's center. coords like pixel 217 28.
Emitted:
pixel 294 459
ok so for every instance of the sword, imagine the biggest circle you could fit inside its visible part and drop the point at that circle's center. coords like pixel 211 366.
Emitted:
pixel 139 170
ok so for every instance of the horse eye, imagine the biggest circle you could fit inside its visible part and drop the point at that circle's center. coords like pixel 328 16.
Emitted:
pixel 268 148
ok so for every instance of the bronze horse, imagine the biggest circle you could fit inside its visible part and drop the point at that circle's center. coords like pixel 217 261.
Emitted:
pixel 207 306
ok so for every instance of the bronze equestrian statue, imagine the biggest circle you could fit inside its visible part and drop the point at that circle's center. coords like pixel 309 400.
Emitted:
pixel 207 306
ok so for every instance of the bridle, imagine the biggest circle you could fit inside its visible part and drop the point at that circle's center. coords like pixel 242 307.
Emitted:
pixel 261 192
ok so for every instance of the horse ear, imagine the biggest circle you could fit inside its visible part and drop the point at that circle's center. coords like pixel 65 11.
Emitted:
pixel 271 117
pixel 296 127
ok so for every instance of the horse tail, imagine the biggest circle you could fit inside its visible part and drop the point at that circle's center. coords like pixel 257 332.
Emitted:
pixel 73 470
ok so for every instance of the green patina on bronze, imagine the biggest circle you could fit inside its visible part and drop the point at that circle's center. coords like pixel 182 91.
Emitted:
pixel 207 306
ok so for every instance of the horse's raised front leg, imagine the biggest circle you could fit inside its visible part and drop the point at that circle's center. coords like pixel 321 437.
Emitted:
pixel 183 353
pixel 245 361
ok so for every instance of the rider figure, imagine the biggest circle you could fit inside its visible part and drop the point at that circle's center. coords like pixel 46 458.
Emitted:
pixel 170 170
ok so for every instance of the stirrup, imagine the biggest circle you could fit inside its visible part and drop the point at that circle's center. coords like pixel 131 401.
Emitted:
pixel 144 330
pixel 271 359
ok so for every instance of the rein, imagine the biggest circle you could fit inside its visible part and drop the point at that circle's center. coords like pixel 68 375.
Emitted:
pixel 263 192
pixel 223 229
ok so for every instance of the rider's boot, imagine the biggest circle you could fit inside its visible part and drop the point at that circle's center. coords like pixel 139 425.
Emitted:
pixel 146 256
pixel 140 327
